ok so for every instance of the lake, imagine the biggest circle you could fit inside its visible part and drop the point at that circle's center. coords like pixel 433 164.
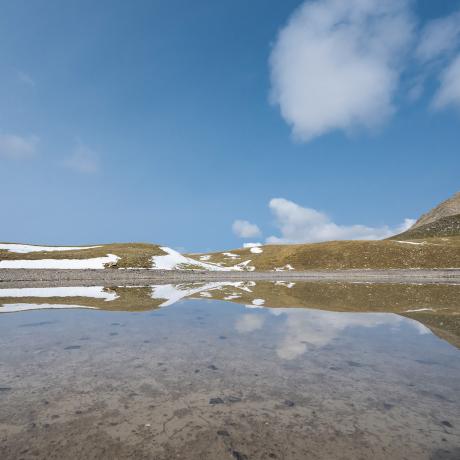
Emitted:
pixel 237 370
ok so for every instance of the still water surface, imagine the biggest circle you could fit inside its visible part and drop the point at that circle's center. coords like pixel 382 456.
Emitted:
pixel 200 378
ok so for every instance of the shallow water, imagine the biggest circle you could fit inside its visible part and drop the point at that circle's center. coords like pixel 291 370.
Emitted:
pixel 211 379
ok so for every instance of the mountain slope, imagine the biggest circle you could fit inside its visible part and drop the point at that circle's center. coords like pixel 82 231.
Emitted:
pixel 447 208
pixel 443 227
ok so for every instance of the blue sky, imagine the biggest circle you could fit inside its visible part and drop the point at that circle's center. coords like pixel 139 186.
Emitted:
pixel 167 121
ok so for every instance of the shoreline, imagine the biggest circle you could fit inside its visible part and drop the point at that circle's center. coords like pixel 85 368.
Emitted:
pixel 138 276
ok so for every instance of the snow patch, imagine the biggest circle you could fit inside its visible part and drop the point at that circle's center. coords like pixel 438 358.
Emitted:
pixel 231 255
pixel 26 248
pixel 282 269
pixel 244 266
pixel 174 260
pixel 62 264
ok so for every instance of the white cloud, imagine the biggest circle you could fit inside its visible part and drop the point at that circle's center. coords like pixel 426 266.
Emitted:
pixel 83 159
pixel 439 41
pixel 245 229
pixel 448 93
pixel 336 64
pixel 300 225
pixel 439 37
pixel 17 147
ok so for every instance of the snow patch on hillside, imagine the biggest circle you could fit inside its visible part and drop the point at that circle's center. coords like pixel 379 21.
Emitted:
pixel 231 255
pixel 26 248
pixel 174 260
pixel 62 264
pixel 284 268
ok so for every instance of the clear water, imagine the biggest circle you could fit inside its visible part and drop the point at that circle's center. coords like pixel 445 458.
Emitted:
pixel 211 379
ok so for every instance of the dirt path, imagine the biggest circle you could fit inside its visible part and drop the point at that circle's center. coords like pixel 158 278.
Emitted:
pixel 127 277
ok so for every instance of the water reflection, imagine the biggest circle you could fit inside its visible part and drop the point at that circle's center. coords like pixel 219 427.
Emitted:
pixel 151 373
pixel 435 306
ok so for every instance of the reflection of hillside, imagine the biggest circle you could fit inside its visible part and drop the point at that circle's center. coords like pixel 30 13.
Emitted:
pixel 436 306
pixel 124 299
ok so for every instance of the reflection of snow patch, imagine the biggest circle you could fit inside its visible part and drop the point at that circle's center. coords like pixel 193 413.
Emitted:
pixel 285 283
pixel 62 264
pixel 96 292
pixel 26 248
pixel 172 293
pixel 15 307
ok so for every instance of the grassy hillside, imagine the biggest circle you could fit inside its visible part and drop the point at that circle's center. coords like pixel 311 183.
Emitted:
pixel 132 255
pixel 426 253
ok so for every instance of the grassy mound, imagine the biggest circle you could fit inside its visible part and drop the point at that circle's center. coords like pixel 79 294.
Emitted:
pixel 433 253
pixel 132 255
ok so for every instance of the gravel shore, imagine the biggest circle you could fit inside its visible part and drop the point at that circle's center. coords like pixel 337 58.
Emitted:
pixel 130 277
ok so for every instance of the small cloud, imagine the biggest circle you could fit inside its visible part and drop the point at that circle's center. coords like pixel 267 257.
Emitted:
pixel 18 147
pixel 448 94
pixel 438 50
pixel 298 224
pixel 244 229
pixel 26 78
pixel 439 37
pixel 336 65
pixel 83 160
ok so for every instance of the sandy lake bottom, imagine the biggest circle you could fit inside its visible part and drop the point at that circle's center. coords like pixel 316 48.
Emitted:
pixel 208 379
